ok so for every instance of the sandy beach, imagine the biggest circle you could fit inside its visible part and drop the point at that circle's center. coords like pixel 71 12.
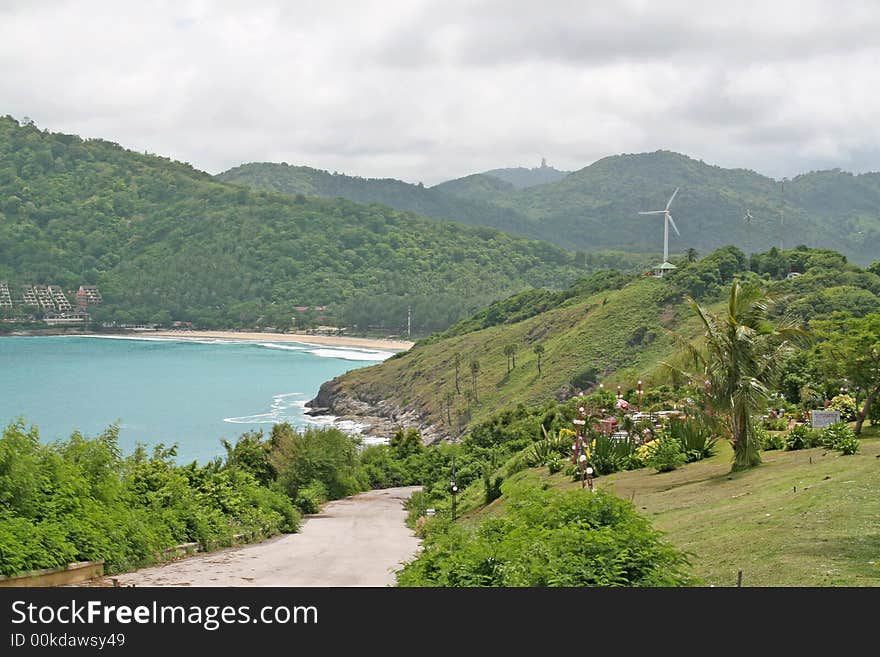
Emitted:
pixel 329 340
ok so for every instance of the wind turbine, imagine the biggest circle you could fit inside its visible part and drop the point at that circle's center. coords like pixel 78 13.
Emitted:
pixel 667 219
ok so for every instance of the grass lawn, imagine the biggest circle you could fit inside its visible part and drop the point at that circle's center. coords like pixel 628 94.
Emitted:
pixel 803 518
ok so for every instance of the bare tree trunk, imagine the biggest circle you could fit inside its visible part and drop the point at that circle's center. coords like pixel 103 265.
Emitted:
pixel 866 409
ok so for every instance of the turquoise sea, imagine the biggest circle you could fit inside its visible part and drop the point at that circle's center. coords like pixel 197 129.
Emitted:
pixel 189 392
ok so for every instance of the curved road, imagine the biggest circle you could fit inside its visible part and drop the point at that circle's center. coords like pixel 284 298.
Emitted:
pixel 357 541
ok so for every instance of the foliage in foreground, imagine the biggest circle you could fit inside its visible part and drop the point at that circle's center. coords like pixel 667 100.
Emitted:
pixel 79 499
pixel 549 538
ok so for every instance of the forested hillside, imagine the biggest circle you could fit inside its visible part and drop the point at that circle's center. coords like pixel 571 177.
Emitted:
pixel 596 208
pixel 422 200
pixel 167 242
pixel 609 327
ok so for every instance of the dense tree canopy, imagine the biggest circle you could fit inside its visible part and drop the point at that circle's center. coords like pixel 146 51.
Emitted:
pixel 164 240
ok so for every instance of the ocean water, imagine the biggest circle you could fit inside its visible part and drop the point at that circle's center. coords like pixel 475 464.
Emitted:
pixel 189 392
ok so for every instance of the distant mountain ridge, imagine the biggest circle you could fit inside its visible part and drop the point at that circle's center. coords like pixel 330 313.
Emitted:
pixel 596 207
pixel 521 177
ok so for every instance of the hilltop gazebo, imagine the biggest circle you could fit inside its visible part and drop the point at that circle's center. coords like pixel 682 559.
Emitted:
pixel 661 269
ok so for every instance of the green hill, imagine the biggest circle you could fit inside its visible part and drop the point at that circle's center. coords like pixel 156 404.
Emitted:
pixel 522 177
pixel 596 208
pixel 609 327
pixel 167 242
pixel 429 202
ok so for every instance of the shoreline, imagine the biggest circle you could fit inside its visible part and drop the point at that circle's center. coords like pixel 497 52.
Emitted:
pixel 302 338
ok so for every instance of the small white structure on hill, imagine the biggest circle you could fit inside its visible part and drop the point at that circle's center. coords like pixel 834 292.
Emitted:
pixel 662 268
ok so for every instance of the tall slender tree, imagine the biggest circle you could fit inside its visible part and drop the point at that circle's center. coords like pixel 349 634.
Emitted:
pixel 539 352
pixel 457 361
pixel 475 370
pixel 509 350
pixel 741 357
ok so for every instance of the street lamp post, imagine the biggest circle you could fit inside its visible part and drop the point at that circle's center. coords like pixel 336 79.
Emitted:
pixel 453 487
pixel 640 392
pixel 579 450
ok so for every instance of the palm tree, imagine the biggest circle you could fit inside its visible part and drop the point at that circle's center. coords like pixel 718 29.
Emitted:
pixel 539 351
pixel 510 350
pixel 692 255
pixel 475 369
pixel 740 359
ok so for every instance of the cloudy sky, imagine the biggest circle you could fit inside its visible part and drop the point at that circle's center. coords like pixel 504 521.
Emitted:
pixel 431 90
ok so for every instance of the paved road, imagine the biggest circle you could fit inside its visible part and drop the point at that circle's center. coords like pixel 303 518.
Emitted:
pixel 358 541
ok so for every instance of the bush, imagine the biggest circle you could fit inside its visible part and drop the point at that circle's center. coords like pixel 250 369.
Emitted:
pixel 769 441
pixel 310 498
pixel 846 404
pixel 492 487
pixel 550 538
pixel 775 424
pixel 608 455
pixel 665 454
pixel 584 379
pixel 694 436
pixel 874 412
pixel 840 437
pixel 800 437
pixel 79 500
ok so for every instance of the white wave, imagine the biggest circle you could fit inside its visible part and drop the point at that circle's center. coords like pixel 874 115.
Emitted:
pixel 285 407
pixel 282 347
pixel 352 354
pixel 146 338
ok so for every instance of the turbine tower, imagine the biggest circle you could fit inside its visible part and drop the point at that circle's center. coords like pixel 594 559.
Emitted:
pixel 667 220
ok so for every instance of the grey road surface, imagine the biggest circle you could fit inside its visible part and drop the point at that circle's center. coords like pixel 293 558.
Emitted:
pixel 357 541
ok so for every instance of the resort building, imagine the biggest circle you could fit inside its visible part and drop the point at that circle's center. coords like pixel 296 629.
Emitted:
pixel 29 297
pixel 5 297
pixel 66 319
pixel 88 295
pixel 44 297
pixel 59 299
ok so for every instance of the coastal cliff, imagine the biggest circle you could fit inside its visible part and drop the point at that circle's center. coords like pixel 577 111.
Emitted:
pixel 378 417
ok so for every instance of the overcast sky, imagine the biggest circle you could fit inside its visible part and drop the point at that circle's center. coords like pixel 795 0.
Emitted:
pixel 426 91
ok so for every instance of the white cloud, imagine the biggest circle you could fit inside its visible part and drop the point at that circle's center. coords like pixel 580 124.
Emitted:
pixel 432 90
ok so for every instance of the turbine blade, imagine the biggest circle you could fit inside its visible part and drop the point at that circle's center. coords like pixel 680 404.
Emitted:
pixel 669 216
pixel 672 197
pixel 654 212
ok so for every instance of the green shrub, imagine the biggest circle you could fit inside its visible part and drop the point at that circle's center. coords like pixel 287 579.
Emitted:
pixel 840 437
pixel 695 437
pixel 609 455
pixel 800 437
pixel 492 487
pixel 310 498
pixel 775 424
pixel 550 538
pixel 874 412
pixel 769 441
pixel 78 499
pixel 847 406
pixel 666 455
